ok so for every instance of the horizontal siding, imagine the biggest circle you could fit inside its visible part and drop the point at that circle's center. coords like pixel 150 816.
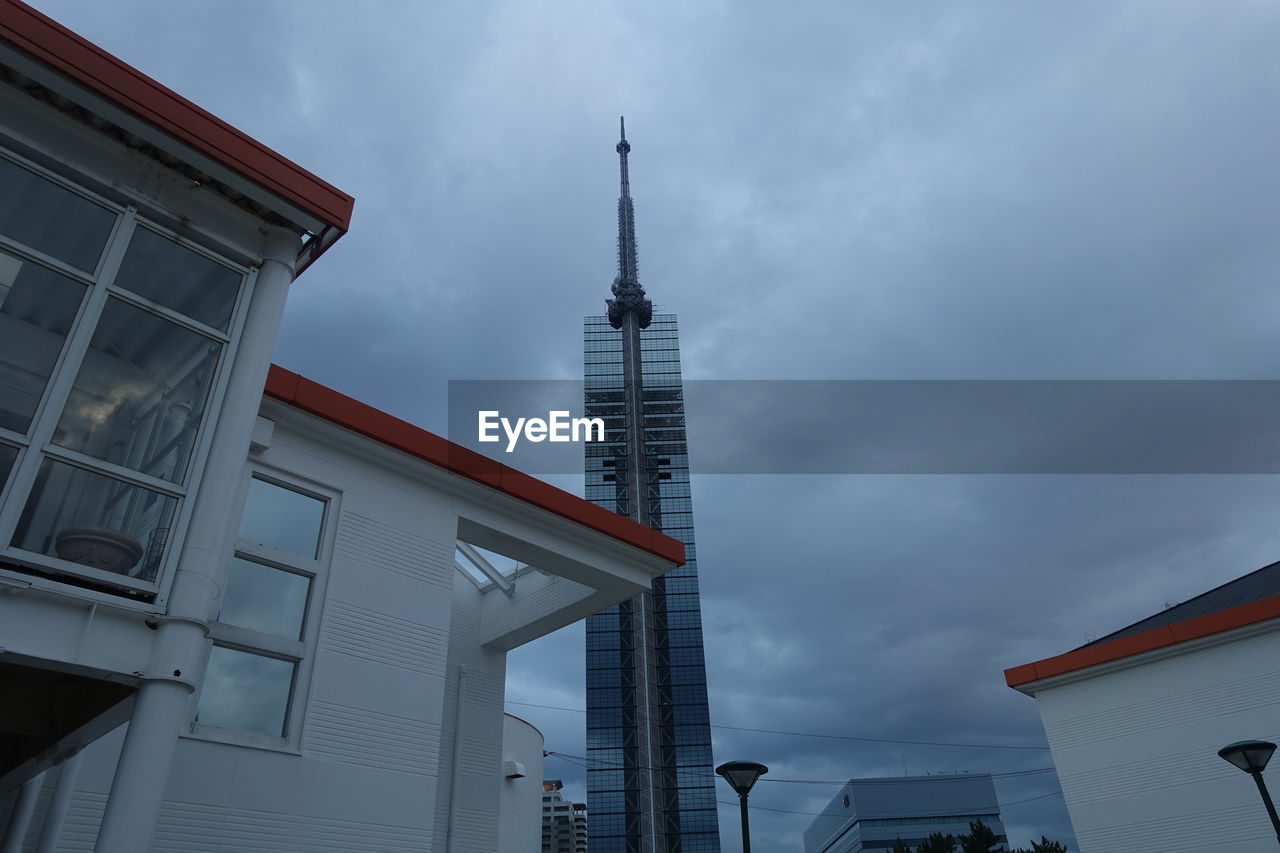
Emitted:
pixel 374 544
pixel 380 638
pixel 371 739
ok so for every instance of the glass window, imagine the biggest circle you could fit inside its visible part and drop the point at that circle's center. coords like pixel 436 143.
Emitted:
pixel 37 307
pixel 266 599
pixel 7 456
pixel 161 270
pixel 140 393
pixel 282 518
pixel 95 520
pixel 51 219
pixel 246 691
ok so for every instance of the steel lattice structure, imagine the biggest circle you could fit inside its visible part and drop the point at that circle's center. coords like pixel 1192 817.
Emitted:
pixel 650 784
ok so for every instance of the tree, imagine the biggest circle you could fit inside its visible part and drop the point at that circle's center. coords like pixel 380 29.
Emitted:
pixel 900 846
pixel 980 838
pixel 1044 845
pixel 938 843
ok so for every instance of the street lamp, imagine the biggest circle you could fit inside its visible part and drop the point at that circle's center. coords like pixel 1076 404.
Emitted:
pixel 741 776
pixel 1252 756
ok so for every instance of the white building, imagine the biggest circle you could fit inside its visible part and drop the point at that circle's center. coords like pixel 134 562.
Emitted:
pixel 520 807
pixel 873 814
pixel 564 823
pixel 1136 718
pixel 265 588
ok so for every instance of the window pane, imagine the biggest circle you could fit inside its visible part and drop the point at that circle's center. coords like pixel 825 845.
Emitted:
pixel 160 270
pixel 52 219
pixel 96 521
pixel 37 307
pixel 282 518
pixel 140 393
pixel 265 599
pixel 244 691
pixel 7 456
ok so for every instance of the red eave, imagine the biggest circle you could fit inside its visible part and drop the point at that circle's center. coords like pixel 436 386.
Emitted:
pixel 361 418
pixel 90 66
pixel 1147 641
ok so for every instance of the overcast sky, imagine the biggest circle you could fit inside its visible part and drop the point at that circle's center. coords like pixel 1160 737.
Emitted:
pixel 994 190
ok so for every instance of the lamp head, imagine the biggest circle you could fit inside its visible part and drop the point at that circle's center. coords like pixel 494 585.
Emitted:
pixel 741 775
pixel 1251 756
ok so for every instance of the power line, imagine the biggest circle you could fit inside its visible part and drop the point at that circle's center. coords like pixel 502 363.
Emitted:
pixel 593 764
pixel 824 736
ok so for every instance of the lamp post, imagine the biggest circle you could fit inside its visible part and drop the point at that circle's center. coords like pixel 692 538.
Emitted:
pixel 741 776
pixel 1252 756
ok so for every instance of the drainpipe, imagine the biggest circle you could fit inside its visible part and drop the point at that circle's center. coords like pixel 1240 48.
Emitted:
pixel 16 831
pixel 180 647
pixel 457 748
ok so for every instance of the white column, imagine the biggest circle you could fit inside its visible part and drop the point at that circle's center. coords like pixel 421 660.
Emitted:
pixel 68 772
pixel 20 817
pixel 161 708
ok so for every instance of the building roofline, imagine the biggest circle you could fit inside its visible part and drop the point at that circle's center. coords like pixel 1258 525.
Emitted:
pixel 1166 636
pixel 122 85
pixel 361 418
pixel 526 722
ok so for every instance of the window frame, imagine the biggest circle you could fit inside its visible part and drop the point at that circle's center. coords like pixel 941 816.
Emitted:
pixel 301 652
pixel 36 444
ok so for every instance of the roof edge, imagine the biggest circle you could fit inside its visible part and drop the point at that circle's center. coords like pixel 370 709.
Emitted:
pixel 374 424
pixel 109 77
pixel 1240 616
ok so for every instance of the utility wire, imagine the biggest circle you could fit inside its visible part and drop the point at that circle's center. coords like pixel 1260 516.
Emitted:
pixel 592 764
pixel 825 736
pixel 581 762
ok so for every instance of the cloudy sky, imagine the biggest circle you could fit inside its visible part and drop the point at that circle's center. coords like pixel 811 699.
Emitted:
pixel 843 190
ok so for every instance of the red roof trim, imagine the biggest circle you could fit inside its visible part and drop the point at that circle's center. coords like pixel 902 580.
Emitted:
pixel 361 418
pixel 105 75
pixel 1135 644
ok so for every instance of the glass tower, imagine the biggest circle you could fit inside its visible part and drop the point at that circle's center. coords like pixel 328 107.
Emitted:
pixel 650 779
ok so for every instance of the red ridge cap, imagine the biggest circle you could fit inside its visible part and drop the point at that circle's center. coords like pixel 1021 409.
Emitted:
pixel 92 67
pixel 1147 641
pixel 349 413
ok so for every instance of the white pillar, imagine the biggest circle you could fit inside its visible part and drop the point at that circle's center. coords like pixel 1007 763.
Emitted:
pixel 68 772
pixel 20 817
pixel 162 706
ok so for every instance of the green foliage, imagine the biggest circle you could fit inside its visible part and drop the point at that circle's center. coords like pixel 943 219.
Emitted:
pixel 1044 845
pixel 979 839
pixel 900 846
pixel 938 843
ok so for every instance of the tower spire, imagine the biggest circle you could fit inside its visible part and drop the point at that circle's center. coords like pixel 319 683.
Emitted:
pixel 627 291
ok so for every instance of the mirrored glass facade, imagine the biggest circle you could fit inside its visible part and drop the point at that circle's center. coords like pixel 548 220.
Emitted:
pixel 648 731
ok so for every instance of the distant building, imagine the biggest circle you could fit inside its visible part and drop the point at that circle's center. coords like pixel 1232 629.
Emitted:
pixel 564 824
pixel 872 814
pixel 1136 718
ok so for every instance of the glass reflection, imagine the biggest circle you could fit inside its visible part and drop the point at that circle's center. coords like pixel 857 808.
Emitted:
pixel 37 307
pixel 163 271
pixel 246 691
pixel 95 520
pixel 7 457
pixel 266 599
pixel 51 219
pixel 140 392
pixel 282 518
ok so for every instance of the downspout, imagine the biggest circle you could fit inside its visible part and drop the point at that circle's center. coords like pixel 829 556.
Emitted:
pixel 457 749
